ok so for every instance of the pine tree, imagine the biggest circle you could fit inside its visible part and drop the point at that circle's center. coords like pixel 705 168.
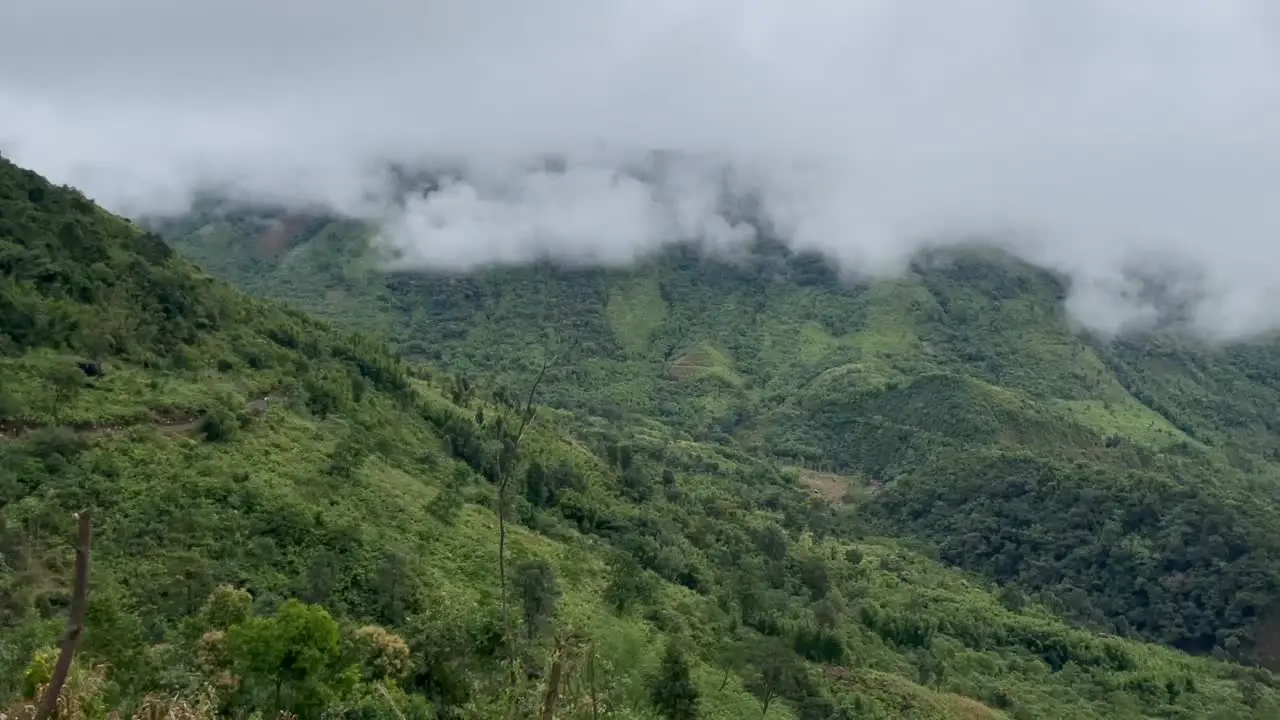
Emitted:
pixel 672 690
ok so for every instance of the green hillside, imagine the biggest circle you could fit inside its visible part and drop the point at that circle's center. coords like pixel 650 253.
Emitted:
pixel 289 517
pixel 1131 485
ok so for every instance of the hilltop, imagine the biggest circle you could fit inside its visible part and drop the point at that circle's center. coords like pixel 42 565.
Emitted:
pixel 290 516
pixel 1131 484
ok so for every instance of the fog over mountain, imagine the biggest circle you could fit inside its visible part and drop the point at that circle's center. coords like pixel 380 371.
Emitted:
pixel 1095 137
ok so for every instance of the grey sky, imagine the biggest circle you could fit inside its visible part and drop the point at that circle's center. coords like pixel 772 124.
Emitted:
pixel 1093 129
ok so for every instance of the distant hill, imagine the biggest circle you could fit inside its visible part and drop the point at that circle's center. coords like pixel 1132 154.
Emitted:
pixel 291 517
pixel 1134 482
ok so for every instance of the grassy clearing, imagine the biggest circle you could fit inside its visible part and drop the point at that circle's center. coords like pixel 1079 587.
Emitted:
pixel 635 310
pixel 705 361
pixel 1124 419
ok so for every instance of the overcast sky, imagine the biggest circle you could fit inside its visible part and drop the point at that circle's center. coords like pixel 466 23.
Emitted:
pixel 1093 130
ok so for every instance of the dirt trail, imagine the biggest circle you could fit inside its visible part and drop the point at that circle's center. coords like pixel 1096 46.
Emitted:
pixel 167 426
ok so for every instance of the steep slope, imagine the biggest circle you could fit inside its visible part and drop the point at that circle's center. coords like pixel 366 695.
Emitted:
pixel 1132 483
pixel 759 330
pixel 138 387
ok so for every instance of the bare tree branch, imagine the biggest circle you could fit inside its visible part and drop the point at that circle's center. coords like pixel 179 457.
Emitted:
pixel 75 621
pixel 507 455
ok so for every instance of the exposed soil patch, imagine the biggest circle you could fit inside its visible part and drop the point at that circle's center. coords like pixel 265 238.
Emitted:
pixel 277 238
pixel 837 489
pixel 830 487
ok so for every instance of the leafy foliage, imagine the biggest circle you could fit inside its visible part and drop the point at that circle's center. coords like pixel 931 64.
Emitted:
pixel 673 690
pixel 535 582
pixel 1128 484
pixel 335 554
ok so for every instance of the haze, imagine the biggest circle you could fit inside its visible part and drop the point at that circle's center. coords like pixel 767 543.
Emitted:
pixel 1091 136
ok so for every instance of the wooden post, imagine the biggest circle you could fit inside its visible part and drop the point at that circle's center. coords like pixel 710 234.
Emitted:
pixel 552 697
pixel 75 621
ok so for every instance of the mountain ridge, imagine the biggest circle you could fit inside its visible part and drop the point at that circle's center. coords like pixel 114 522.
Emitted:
pixel 364 507
pixel 903 327
pixel 970 353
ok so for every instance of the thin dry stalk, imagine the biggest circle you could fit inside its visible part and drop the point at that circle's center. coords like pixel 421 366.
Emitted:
pixel 75 621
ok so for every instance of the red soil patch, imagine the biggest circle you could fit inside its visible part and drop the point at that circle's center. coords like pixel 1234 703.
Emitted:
pixel 275 240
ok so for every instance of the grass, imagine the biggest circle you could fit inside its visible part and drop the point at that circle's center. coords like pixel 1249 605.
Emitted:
pixel 830 487
pixel 889 331
pixel 968 355
pixel 52 391
pixel 959 392
pixel 705 361
pixel 1124 419
pixel 635 310
pixel 263 508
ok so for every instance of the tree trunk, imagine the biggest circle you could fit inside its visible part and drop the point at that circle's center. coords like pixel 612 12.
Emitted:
pixel 552 698
pixel 75 621
pixel 764 703
pixel 507 458
pixel 591 675
pixel 502 576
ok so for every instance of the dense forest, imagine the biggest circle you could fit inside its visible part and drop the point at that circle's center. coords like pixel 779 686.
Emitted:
pixel 1129 484
pixel 657 511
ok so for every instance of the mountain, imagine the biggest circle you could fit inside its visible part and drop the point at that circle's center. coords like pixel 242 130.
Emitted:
pixel 291 517
pixel 1130 484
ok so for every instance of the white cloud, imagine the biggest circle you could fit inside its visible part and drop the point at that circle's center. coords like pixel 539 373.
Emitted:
pixel 1097 131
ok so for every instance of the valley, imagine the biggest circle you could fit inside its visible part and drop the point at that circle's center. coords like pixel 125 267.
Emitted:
pixel 752 486
pixel 961 383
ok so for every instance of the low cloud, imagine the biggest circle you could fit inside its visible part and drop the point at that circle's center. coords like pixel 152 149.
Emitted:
pixel 1103 139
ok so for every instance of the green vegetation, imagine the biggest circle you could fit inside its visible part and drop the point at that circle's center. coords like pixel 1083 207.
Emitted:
pixel 1130 485
pixel 332 550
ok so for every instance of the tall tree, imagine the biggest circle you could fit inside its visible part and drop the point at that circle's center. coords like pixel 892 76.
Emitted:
pixel 672 690
pixel 536 585
pixel 777 671
pixel 629 583
pixel 291 661
pixel 509 438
